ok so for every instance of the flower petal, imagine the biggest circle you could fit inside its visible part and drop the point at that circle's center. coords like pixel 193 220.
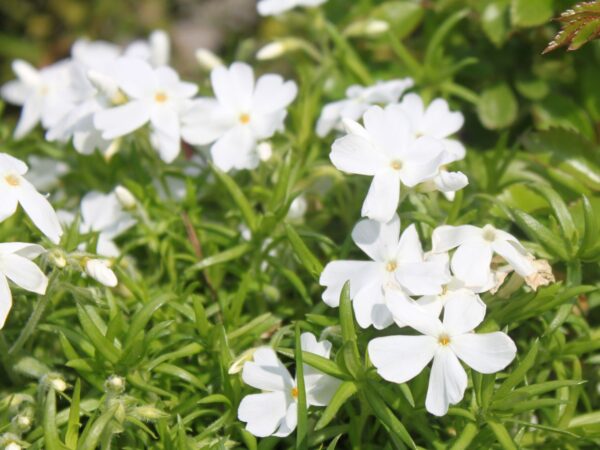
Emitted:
pixel 9 203
pixel 5 300
pixel 368 302
pixel 471 262
pixel 205 121
pixel 288 424
pixel 31 114
pixel 401 358
pixel 122 120
pixel 517 259
pixel 439 122
pixel 447 237
pixel 234 86
pixel 407 311
pixel 378 240
pixel 135 77
pixel 463 312
pixel 355 154
pixel 383 196
pixel 263 412
pixel 359 273
pixel 267 372
pixel 486 353
pixel 39 211
pixel 23 273
pixel 409 247
pixel 422 278
pixel 447 382
pixel 272 93
pixel 235 150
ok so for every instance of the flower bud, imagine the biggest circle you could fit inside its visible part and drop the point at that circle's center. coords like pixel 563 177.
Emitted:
pixel 148 412
pixel 13 446
pixel 297 208
pixel 56 382
pixel 100 271
pixel 22 423
pixel 207 59
pixel 271 51
pixel 115 384
pixel 57 257
pixel 264 150
pixel 125 197
pixel 239 362
pixel 160 48
pixel 367 28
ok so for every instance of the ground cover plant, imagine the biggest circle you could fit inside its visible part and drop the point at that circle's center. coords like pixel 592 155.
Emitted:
pixel 361 225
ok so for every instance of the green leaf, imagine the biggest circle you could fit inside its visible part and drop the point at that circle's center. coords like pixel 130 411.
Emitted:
pixel 346 390
pixel 386 416
pixel 238 197
pixel 497 107
pixel 306 257
pixel 403 16
pixel 51 440
pixel 518 374
pixel 530 13
pixel 100 342
pixel 302 427
pixel 318 362
pixel 504 438
pixel 540 233
pixel 495 22
pixel 580 25
pixel 465 437
pixel 434 46
pixel 560 209
pixel 72 435
pixel 93 432
pixel 225 256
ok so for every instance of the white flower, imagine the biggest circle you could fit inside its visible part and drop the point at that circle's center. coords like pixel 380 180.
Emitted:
pixel 397 264
pixel 15 265
pixel 43 94
pixel 274 412
pixel 276 7
pixel 243 113
pixel 387 150
pixel 359 99
pixel 437 121
pixel 436 302
pixel 15 189
pixel 45 173
pixel 103 213
pixel 471 260
pixel 401 358
pixel 156 96
pixel 99 270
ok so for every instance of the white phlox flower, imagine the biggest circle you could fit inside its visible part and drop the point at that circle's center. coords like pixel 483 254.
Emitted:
pixel 400 358
pixel 276 7
pixel 274 411
pixel 103 213
pixel 357 102
pixel 99 270
pixel 474 249
pixel 16 266
pixel 386 149
pixel 397 264
pixel 154 95
pixel 15 190
pixel 43 94
pixel 243 113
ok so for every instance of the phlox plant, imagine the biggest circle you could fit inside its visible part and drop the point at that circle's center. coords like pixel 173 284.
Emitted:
pixel 367 225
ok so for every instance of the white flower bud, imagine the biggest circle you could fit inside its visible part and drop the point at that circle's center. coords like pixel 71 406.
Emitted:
pixel 100 271
pixel 207 59
pixel 125 197
pixel 13 446
pixel 160 48
pixel 115 384
pixel 297 208
pixel 22 422
pixel 368 28
pixel 264 150
pixel 58 384
pixel 271 51
pixel 57 257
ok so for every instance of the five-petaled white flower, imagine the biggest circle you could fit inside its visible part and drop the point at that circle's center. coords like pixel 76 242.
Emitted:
pixel 274 412
pixel 15 189
pixel 471 260
pixel 43 94
pixel 397 264
pixel 276 7
pixel 401 358
pixel 156 96
pixel 16 266
pixel 359 99
pixel 243 113
pixel 388 150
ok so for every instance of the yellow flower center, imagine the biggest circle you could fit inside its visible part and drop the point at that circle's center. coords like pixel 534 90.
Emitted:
pixel 12 180
pixel 489 233
pixel 444 339
pixel 391 266
pixel 160 97
pixel 295 392
pixel 245 118
pixel 396 165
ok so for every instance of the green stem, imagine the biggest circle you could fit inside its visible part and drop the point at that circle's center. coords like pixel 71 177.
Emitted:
pixel 413 66
pixel 34 319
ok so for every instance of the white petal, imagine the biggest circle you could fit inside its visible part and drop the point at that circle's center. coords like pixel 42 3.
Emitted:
pixel 453 150
pixel 272 94
pixel 355 154
pixel 160 48
pixel 447 382
pixel 401 358
pixel 447 237
pixel 266 372
pixel 463 312
pixel 389 128
pixel 439 121
pixel 235 150
pixel 26 72
pixel 274 7
pixel 234 86
pixel 263 412
pixel 122 120
pixel 330 117
pixel 9 202
pixel 167 145
pixel 486 353
pixel 431 303
pixel 359 273
pixel 450 181
pixel 30 116
pixel 368 302
pixel 320 388
pixel 5 300
pixel 412 104
pixel 517 259
pixel 378 240
pixel 23 273
pixel 11 164
pixel 100 271
pixel 424 278
pixel 24 249
pixel 383 196
pixel 135 77
pixel 288 425
pixel 39 211
pixel 471 262
pixel 15 92
pixel 410 313
pixel 409 247
pixel 205 121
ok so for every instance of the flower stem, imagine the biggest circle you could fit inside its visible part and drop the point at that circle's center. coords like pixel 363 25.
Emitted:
pixel 34 319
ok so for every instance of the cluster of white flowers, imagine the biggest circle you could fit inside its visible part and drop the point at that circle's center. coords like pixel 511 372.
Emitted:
pixel 103 93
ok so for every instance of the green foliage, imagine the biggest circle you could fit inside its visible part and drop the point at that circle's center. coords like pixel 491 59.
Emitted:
pixel 196 293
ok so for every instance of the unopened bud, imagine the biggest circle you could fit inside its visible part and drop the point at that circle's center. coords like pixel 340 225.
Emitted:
pixel 297 208
pixel 125 197
pixel 100 271
pixel 207 59
pixel 13 446
pixel 57 383
pixel 115 384
pixel 160 48
pixel 264 150
pixel 239 362
pixel 22 422
pixel 149 413
pixel 57 257
pixel 367 28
